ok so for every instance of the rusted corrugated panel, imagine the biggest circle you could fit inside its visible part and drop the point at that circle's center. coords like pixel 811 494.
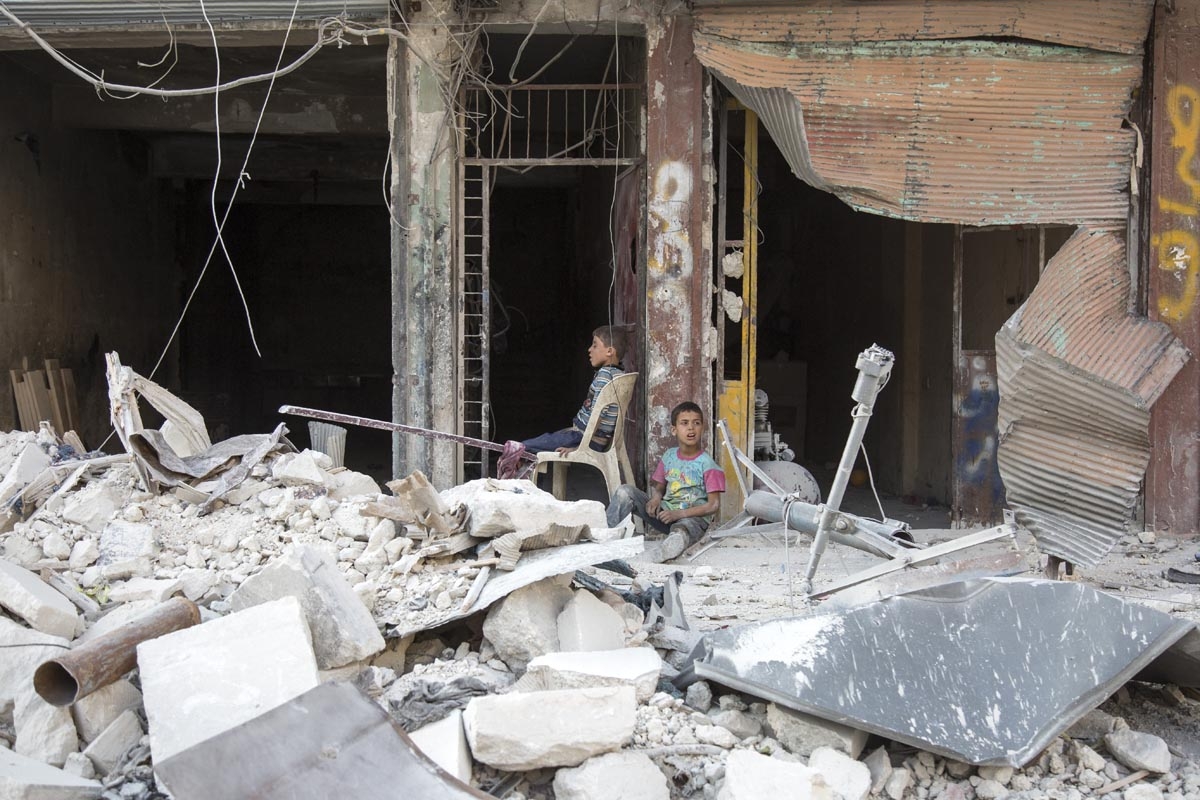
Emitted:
pixel 1077 377
pixel 969 132
pixel 1114 25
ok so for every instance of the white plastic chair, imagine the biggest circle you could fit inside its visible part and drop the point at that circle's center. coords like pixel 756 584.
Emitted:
pixel 613 462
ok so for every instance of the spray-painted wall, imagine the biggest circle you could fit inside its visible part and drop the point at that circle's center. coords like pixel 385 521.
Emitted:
pixel 86 250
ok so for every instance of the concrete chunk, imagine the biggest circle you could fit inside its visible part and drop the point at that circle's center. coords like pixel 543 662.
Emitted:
pixel 518 732
pixel 118 617
pixel 343 631
pixel 96 711
pixel 94 505
pixel 298 469
pixel 24 778
pixel 629 776
pixel 751 776
pixel 638 667
pixel 1139 750
pixel 587 624
pixel 802 733
pixel 445 743
pixel 31 599
pixel 524 625
pixel 44 732
pixel 739 723
pixel 127 549
pixel 134 589
pixel 106 751
pixel 224 672
pixel 21 652
pixel 848 778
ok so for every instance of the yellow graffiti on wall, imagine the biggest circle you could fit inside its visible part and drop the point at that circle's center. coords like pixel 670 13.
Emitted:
pixel 1178 248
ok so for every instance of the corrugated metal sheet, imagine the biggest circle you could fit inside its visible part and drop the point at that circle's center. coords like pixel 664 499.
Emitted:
pixel 48 15
pixel 1078 375
pixel 973 132
pixel 1114 25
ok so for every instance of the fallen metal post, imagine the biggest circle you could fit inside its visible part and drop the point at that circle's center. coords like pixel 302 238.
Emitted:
pixel 64 680
pixel 868 535
pixel 367 422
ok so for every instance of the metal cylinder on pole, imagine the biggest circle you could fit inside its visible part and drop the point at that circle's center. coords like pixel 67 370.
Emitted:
pixel 63 680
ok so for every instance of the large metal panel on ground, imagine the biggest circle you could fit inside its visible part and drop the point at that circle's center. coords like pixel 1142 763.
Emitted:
pixel 986 671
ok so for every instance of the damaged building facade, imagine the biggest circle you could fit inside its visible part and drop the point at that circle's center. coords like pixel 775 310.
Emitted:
pixel 443 197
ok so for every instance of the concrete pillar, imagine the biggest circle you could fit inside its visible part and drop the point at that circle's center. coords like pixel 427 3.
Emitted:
pixel 424 354
pixel 1173 477
pixel 679 336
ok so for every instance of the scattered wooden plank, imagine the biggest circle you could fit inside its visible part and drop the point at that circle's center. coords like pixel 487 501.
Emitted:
pixel 25 409
pixel 72 438
pixel 72 398
pixel 57 400
pixel 1122 783
pixel 35 380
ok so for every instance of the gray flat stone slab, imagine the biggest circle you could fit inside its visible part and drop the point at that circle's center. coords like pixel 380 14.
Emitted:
pixel 23 778
pixel 34 601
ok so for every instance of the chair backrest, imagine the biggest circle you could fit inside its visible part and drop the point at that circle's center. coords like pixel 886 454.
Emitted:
pixel 618 392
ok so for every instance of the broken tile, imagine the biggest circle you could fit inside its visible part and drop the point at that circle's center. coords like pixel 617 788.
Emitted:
pixel 629 776
pixel 587 624
pixel 343 631
pixel 445 743
pixel 518 732
pixel 106 750
pixel 224 672
pixel 23 778
pixel 751 776
pixel 95 712
pixel 31 599
pixel 638 667
pixel 803 733
pixel 849 779
pixel 524 625
pixel 1139 750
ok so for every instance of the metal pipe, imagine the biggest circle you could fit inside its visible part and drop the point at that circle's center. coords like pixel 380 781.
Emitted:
pixel 64 680
pixel 866 535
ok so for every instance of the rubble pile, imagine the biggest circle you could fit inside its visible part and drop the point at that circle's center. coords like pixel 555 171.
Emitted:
pixel 458 613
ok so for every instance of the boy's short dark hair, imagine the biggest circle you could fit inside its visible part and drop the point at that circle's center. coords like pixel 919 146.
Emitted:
pixel 686 405
pixel 612 336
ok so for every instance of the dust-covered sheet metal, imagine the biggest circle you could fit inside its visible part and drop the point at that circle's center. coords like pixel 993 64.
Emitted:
pixel 985 671
pixel 1077 376
pixel 331 741
pixel 974 131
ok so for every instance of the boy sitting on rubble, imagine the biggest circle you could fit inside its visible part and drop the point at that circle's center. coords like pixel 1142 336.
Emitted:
pixel 685 490
pixel 605 357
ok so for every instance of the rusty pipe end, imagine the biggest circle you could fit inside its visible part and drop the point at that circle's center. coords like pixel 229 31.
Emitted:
pixel 55 684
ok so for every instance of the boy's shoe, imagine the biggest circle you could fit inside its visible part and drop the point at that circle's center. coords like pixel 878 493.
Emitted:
pixel 666 549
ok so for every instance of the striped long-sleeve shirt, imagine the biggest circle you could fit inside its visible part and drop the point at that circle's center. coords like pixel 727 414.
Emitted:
pixel 608 415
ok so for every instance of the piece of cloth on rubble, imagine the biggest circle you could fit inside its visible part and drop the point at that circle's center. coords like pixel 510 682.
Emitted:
pixel 430 701
pixel 511 463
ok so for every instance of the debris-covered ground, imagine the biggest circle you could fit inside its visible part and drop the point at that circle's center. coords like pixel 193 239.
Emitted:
pixel 461 615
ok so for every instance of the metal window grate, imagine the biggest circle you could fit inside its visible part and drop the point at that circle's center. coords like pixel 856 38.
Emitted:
pixel 474 316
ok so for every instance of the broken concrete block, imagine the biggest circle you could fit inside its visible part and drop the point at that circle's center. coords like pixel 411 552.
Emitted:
pixel 587 624
pixel 298 469
pixel 80 766
pixel 354 524
pixel 348 483
pixel 95 712
pixel 629 776
pixel 445 743
pixel 897 784
pixel 1143 791
pixel 44 732
pixel 880 767
pixel 848 778
pixel 121 615
pixel 83 554
pixel 134 589
pixel 752 776
pixel 21 652
pixel 94 506
pixel 106 750
pixel 23 778
pixel 699 696
pixel 802 733
pixel 1001 775
pixel 29 463
pixel 524 625
pixel 343 631
pixel 1139 750
pixel 55 546
pixel 518 732
pixel 127 549
pixel 195 583
pixel 31 599
pixel 224 672
pixel 1095 724
pixel 526 507
pixel 715 735
pixel 638 667
pixel 739 723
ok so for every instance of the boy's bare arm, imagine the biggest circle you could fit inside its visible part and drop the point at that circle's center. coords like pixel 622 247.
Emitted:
pixel 656 496
pixel 674 515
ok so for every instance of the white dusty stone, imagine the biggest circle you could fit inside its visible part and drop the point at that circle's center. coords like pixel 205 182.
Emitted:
pixel 751 776
pixel 638 667
pixel 44 732
pixel 802 733
pixel 127 549
pixel 1139 750
pixel 343 631
pixel 143 589
pixel 897 784
pixel 1095 724
pixel 1001 775
pixel 880 767
pixel 352 484
pixel 29 463
pixel 94 506
pixel 1143 791
pixel 23 778
pixel 716 735
pixel 848 778
pixel 19 657
pixel 224 672
pixel 518 732
pixel 353 524
pixel 699 696
pixel 80 765
pixel 34 601
pixel 96 711
pixel 524 625
pixel 195 583
pixel 118 617
pixel 587 624
pixel 298 469
pixel 107 749
pixel 629 776
pixel 739 723
pixel 445 742
pixel 55 546
pixel 526 507
pixel 83 554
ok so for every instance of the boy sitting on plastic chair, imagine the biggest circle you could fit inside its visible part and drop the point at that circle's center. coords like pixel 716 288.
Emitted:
pixel 685 490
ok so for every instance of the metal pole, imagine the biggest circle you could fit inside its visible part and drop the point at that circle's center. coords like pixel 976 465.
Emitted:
pixel 62 681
